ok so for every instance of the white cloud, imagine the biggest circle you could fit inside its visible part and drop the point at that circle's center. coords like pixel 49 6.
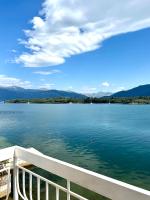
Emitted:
pixel 70 88
pixel 6 81
pixel 68 28
pixel 121 88
pixel 47 86
pixel 55 71
pixel 105 84
pixel 107 87
pixel 42 79
pixel 14 51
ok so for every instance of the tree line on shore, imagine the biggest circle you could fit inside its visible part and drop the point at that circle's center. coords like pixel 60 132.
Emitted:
pixel 88 100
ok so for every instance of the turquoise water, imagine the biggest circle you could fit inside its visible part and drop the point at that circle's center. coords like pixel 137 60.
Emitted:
pixel 113 140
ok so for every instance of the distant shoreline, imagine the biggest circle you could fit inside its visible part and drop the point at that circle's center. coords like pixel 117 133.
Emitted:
pixel 88 100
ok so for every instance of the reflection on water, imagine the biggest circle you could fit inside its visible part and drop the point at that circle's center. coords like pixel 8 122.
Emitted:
pixel 110 139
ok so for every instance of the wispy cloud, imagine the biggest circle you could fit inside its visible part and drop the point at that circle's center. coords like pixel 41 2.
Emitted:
pixel 110 87
pixel 14 51
pixel 68 28
pixel 105 84
pixel 121 88
pixel 70 88
pixel 55 71
pixel 47 86
pixel 7 81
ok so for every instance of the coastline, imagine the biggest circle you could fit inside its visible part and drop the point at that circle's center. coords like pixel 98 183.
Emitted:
pixel 88 100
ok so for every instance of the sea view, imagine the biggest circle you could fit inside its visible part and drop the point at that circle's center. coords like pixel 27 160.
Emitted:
pixel 109 139
pixel 74 100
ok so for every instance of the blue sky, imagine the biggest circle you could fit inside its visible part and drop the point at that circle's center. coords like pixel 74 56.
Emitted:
pixel 50 46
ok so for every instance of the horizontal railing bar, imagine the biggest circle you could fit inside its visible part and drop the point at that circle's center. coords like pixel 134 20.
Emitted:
pixel 73 194
pixel 52 183
pixel 5 169
pixel 100 184
pixel 7 153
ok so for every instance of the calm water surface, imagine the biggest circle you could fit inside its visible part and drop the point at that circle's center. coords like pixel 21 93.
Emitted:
pixel 113 140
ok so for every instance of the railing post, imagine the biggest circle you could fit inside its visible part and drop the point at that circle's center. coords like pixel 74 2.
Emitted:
pixel 15 193
pixel 68 190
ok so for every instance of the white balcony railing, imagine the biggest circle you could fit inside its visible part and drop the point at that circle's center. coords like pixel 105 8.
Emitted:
pixel 97 183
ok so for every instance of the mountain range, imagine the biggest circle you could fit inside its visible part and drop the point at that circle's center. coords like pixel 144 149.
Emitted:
pixel 140 91
pixel 8 93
